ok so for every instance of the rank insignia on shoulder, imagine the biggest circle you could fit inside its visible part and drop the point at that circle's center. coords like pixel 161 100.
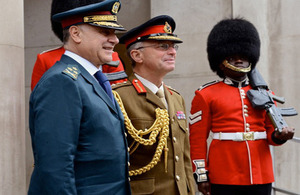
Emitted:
pixel 208 84
pixel 180 115
pixel 72 71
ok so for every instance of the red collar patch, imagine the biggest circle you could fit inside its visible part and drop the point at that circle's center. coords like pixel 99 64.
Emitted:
pixel 138 86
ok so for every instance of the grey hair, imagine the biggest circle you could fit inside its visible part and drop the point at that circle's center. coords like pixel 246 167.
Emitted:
pixel 66 35
pixel 132 47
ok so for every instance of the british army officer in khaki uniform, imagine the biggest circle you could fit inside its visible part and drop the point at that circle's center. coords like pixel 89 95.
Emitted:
pixel 157 129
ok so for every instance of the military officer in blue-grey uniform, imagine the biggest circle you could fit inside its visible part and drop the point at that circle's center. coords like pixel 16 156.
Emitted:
pixel 155 117
pixel 77 128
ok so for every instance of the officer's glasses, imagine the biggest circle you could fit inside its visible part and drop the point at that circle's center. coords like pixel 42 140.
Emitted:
pixel 161 46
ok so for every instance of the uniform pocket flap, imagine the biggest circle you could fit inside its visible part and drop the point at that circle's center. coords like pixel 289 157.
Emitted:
pixel 145 186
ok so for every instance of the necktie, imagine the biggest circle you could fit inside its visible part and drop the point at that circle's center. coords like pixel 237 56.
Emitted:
pixel 161 96
pixel 102 79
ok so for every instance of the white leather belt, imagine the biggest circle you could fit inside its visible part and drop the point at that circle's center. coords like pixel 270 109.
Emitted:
pixel 240 136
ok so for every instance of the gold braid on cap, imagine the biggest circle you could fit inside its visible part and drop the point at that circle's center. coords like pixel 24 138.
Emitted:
pixel 231 67
pixel 159 127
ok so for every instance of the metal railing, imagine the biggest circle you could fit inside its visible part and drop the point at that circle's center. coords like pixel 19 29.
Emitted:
pixel 296 139
pixel 283 191
pixel 276 189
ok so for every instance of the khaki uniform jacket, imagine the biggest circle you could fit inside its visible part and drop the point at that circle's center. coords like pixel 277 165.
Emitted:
pixel 140 104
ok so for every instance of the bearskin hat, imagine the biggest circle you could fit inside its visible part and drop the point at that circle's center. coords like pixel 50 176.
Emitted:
pixel 232 37
pixel 56 26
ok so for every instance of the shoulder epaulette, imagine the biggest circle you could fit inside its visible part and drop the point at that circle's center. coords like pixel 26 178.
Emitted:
pixel 121 84
pixel 208 84
pixel 72 71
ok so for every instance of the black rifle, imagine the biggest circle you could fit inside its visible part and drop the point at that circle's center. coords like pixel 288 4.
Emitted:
pixel 261 98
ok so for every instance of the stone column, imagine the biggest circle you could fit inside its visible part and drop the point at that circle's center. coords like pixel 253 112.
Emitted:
pixel 12 100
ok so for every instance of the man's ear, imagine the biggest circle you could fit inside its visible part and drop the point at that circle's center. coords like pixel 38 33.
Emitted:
pixel 75 34
pixel 136 55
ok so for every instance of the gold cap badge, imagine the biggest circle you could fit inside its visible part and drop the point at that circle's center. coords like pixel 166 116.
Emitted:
pixel 167 28
pixel 115 7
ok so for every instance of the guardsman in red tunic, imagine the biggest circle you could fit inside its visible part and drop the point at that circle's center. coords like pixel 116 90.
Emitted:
pixel 239 160
pixel 46 59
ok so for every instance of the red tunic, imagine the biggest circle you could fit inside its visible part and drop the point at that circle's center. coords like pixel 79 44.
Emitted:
pixel 47 59
pixel 224 108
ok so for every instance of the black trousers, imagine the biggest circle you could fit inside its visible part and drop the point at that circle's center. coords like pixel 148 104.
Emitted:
pixel 263 189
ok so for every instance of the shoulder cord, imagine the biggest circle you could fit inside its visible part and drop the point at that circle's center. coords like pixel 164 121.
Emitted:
pixel 160 126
